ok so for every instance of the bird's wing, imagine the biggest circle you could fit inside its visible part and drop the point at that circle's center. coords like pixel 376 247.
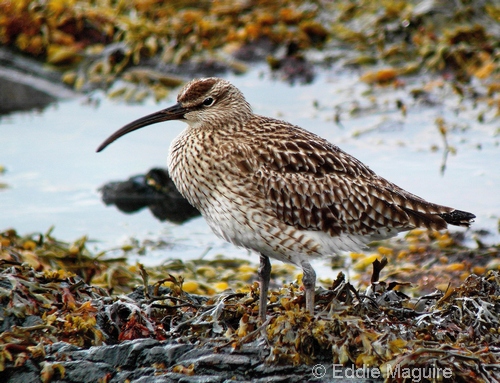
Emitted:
pixel 312 184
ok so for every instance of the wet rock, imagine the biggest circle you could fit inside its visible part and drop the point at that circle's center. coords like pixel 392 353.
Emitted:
pixel 171 352
pixel 84 371
pixel 155 190
pixel 30 372
pixel 149 360
pixel 16 96
pixel 26 84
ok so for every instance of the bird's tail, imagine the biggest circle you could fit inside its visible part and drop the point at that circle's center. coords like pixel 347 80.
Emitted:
pixel 458 218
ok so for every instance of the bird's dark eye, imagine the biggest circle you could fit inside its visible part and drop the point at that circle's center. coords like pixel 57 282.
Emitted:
pixel 208 101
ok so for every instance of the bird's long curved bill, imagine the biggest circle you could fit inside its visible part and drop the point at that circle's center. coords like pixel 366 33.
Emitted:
pixel 175 112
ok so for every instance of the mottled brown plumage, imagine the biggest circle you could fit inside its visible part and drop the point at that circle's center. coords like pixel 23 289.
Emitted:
pixel 280 190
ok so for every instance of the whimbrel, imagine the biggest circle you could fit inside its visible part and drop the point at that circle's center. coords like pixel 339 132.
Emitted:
pixel 277 189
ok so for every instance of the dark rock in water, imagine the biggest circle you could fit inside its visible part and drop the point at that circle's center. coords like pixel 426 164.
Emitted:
pixel 154 190
pixel 15 96
pixel 27 84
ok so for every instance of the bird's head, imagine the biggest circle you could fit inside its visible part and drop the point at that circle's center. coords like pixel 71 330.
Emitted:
pixel 211 103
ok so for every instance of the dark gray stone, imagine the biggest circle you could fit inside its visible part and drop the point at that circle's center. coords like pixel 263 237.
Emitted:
pixel 138 374
pixel 154 379
pixel 60 348
pixel 30 372
pixel 201 379
pixel 169 354
pixel 151 361
pixel 126 354
pixel 218 361
pixel 83 371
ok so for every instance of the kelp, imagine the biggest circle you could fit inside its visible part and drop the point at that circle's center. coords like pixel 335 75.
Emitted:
pixel 141 42
pixel 421 301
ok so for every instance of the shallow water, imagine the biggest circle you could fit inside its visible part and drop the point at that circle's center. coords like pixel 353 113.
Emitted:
pixel 53 172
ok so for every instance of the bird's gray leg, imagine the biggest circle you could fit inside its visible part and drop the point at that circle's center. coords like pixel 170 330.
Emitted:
pixel 264 277
pixel 309 282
